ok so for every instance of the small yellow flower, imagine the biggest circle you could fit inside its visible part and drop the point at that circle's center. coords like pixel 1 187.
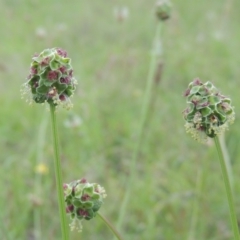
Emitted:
pixel 41 168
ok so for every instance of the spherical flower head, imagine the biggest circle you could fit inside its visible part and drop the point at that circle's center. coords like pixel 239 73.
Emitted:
pixel 83 200
pixel 163 9
pixel 51 78
pixel 208 112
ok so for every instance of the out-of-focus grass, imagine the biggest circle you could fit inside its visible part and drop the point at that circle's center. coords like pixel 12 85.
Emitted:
pixel 111 61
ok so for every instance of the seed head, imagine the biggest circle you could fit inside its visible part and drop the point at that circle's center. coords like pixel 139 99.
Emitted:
pixel 208 112
pixel 50 79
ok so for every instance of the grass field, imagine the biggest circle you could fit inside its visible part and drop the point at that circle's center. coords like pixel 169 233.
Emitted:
pixel 178 192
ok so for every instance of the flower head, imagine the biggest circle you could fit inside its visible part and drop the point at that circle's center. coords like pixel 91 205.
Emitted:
pixel 208 112
pixel 83 200
pixel 51 78
pixel 163 9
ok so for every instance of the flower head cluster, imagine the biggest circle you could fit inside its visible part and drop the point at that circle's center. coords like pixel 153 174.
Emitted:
pixel 163 9
pixel 51 78
pixel 208 112
pixel 83 200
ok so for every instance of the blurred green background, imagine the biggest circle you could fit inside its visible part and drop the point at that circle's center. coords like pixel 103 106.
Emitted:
pixel 178 192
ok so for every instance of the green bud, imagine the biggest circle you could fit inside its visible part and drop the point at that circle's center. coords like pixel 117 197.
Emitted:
pixel 51 78
pixel 208 112
pixel 163 9
pixel 83 200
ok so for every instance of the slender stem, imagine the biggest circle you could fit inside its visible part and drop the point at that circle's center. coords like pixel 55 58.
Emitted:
pixel 58 174
pixel 227 159
pixel 113 229
pixel 228 190
pixel 143 118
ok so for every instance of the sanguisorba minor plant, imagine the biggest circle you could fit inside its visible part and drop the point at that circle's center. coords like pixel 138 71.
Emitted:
pixel 208 114
pixel 51 81
pixel 83 200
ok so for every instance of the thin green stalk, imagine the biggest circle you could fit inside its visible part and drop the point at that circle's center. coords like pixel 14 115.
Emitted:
pixel 58 174
pixel 139 137
pixel 228 189
pixel 227 159
pixel 113 229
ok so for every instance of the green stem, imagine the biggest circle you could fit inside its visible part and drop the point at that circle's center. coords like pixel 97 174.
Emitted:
pixel 139 137
pixel 58 174
pixel 113 229
pixel 228 190
pixel 227 159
